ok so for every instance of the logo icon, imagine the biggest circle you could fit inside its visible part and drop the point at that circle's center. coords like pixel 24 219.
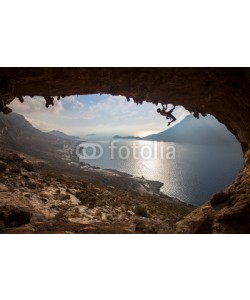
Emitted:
pixel 89 151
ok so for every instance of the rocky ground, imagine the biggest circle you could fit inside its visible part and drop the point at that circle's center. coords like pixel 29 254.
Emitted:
pixel 36 200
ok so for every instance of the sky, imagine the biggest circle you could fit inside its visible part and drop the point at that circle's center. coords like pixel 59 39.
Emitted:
pixel 95 114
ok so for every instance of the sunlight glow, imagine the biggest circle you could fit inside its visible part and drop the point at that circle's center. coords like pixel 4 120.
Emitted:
pixel 146 132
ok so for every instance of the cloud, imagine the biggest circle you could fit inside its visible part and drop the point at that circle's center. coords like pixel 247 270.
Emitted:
pixel 73 101
pixel 35 111
pixel 113 106
pixel 35 105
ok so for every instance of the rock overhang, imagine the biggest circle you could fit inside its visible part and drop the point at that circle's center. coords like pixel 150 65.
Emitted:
pixel 221 92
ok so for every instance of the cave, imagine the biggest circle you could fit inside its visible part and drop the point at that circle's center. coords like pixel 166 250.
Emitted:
pixel 221 92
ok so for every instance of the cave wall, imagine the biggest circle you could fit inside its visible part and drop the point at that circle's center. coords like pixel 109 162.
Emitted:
pixel 221 92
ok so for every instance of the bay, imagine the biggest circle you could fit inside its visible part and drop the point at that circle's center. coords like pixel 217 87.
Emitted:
pixel 189 172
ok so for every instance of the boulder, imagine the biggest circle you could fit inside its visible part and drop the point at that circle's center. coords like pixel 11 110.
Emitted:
pixel 61 197
pixel 18 217
pixel 219 198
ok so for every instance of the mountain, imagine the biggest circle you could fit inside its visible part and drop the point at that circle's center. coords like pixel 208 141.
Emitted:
pixel 63 135
pixel 191 130
pixel 15 128
pixel 194 131
pixel 18 134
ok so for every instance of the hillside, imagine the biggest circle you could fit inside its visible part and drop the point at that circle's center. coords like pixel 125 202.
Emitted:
pixel 35 199
pixel 63 135
pixel 18 134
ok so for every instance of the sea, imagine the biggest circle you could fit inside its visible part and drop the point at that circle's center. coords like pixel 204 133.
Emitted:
pixel 189 172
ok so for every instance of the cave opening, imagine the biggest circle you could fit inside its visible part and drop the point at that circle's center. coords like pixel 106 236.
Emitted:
pixel 192 158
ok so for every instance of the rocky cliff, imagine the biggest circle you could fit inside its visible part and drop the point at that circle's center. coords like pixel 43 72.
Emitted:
pixel 221 92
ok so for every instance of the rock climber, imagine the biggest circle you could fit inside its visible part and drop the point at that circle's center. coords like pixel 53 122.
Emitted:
pixel 167 114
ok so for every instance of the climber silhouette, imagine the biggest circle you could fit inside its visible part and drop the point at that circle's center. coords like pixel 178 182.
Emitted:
pixel 167 114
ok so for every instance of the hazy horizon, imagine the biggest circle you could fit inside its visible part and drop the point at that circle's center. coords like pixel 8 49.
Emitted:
pixel 101 115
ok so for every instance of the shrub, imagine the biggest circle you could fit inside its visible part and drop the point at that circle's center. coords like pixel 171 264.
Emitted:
pixel 3 166
pixel 141 211
pixel 87 198
pixel 15 170
pixel 28 167
pixel 47 174
pixel 14 157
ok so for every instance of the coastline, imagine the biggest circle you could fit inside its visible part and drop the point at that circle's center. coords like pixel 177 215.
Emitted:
pixel 122 180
